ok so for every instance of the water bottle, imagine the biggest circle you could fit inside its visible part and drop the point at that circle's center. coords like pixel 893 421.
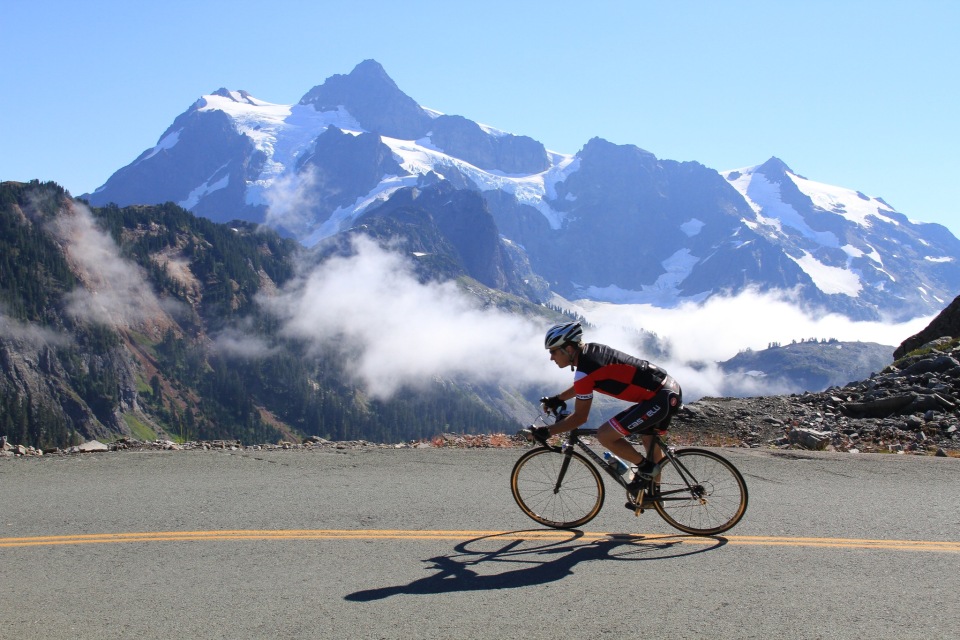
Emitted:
pixel 621 467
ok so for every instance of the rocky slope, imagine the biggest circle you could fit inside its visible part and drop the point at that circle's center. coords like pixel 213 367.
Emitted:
pixel 945 325
pixel 912 405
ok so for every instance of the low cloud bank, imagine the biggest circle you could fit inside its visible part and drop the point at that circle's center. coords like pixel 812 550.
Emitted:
pixel 31 334
pixel 399 332
pixel 699 336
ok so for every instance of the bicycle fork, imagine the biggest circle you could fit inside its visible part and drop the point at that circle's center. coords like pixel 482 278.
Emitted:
pixel 563 470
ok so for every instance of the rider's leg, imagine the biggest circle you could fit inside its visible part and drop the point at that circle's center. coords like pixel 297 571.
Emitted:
pixel 656 455
pixel 613 440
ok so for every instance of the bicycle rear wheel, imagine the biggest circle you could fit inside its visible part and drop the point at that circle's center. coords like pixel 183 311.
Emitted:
pixel 705 495
pixel 573 501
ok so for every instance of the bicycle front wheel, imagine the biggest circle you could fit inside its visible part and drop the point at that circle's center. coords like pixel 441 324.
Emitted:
pixel 701 493
pixel 558 489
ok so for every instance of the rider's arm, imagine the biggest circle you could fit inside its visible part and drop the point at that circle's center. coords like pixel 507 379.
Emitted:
pixel 581 411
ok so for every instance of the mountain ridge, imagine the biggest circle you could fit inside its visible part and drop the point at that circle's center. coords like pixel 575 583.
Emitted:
pixel 611 223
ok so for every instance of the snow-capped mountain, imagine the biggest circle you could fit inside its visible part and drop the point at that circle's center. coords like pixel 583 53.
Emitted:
pixel 309 168
pixel 612 222
pixel 848 243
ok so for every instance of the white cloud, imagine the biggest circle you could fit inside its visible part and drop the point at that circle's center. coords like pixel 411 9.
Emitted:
pixel 698 336
pixel 115 290
pixel 400 332
pixel 32 334
pixel 291 201
pixel 240 341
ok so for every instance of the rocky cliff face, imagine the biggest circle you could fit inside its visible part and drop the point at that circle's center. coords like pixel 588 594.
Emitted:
pixel 465 139
pixel 38 373
pixel 465 234
pixel 946 324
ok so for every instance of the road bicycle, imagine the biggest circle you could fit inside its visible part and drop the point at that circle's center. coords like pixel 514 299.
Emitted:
pixel 697 491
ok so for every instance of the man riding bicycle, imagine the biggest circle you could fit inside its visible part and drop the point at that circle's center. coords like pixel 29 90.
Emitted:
pixel 656 395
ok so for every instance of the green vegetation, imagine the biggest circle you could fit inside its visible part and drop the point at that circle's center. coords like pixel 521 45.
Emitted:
pixel 139 430
pixel 924 351
pixel 34 274
pixel 31 423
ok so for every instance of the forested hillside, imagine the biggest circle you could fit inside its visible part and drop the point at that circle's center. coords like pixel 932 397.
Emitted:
pixel 90 349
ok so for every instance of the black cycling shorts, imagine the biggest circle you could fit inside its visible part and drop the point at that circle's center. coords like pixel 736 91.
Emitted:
pixel 651 414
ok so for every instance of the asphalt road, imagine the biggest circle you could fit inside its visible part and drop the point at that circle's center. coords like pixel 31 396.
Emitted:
pixel 398 544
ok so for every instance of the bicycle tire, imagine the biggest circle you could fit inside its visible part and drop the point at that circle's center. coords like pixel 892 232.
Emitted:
pixel 717 502
pixel 533 482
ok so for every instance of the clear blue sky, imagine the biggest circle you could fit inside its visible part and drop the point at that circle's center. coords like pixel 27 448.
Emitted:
pixel 858 94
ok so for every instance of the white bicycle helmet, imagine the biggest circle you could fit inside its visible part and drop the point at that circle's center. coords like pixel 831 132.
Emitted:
pixel 560 335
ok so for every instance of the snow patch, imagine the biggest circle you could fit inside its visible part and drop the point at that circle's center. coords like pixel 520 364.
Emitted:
pixel 169 141
pixel 205 189
pixel 663 293
pixel 852 252
pixel 692 227
pixel 844 202
pixel 492 131
pixel 939 259
pixel 830 280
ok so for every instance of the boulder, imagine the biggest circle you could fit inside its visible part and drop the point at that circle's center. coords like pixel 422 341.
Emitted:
pixel 809 438
pixel 881 407
pixel 937 365
pixel 93 445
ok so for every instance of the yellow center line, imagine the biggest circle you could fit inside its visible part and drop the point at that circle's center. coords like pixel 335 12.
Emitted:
pixel 548 535
pixel 559 536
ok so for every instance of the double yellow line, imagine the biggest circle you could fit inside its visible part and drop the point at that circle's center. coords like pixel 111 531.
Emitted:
pixel 545 535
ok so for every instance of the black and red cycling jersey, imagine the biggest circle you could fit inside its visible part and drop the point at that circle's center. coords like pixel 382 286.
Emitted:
pixel 616 374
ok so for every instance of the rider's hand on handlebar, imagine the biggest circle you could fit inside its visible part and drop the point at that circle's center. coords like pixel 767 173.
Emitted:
pixel 540 434
pixel 552 403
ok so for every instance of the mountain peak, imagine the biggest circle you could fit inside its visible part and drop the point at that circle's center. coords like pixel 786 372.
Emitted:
pixel 235 96
pixel 374 99
pixel 774 166
pixel 774 169
pixel 370 69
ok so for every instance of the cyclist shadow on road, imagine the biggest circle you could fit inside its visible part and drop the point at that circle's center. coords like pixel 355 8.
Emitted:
pixel 549 560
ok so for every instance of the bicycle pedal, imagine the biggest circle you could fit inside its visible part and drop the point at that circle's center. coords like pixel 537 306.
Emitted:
pixel 637 509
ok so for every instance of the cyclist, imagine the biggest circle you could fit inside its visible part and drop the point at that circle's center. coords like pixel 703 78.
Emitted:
pixel 656 395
